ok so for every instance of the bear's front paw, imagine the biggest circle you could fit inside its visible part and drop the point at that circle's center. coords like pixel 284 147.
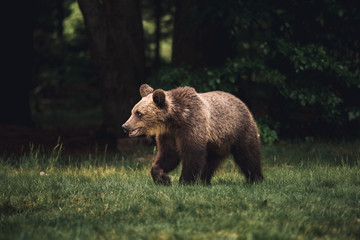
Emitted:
pixel 163 180
pixel 159 176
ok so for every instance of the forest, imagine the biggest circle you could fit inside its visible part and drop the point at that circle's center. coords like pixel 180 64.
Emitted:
pixel 296 64
pixel 68 171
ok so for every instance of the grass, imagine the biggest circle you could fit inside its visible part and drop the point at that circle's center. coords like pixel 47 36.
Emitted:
pixel 311 191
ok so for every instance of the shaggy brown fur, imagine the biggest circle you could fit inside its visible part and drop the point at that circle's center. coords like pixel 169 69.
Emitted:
pixel 199 130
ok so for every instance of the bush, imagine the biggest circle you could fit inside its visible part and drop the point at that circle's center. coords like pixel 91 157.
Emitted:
pixel 268 130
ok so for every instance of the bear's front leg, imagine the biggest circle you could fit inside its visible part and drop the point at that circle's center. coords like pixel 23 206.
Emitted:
pixel 167 159
pixel 159 176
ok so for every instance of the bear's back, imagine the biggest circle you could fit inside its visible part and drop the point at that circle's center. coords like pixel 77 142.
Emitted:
pixel 224 105
pixel 229 116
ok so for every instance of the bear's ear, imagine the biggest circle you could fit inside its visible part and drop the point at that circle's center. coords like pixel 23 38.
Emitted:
pixel 145 90
pixel 159 98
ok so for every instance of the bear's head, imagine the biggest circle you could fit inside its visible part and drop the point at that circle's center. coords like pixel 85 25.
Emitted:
pixel 149 114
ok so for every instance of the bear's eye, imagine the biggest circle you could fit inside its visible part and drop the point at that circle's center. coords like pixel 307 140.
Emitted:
pixel 138 114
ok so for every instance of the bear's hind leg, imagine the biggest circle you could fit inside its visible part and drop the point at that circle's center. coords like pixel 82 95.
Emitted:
pixel 247 156
pixel 212 163
pixel 191 168
pixel 193 162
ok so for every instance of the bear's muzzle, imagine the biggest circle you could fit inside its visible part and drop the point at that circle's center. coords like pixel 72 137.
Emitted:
pixel 131 132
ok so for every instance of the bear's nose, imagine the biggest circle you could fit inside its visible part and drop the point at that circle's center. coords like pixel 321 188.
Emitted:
pixel 125 128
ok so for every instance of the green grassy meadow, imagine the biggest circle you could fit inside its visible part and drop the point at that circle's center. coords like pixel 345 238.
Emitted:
pixel 311 191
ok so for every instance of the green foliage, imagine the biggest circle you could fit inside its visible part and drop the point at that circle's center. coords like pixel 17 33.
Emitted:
pixel 314 61
pixel 354 114
pixel 268 131
pixel 315 185
pixel 306 63
pixel 268 136
pixel 74 24
pixel 318 68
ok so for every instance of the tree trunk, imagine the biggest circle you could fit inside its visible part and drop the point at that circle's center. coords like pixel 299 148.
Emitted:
pixel 158 15
pixel 60 18
pixel 16 74
pixel 200 37
pixel 14 99
pixel 117 50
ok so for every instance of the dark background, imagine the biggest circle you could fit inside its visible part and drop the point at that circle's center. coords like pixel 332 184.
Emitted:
pixel 296 64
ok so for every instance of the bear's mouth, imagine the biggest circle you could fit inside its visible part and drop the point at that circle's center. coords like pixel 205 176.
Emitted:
pixel 134 132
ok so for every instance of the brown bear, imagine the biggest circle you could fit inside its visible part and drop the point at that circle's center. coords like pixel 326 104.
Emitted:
pixel 197 129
